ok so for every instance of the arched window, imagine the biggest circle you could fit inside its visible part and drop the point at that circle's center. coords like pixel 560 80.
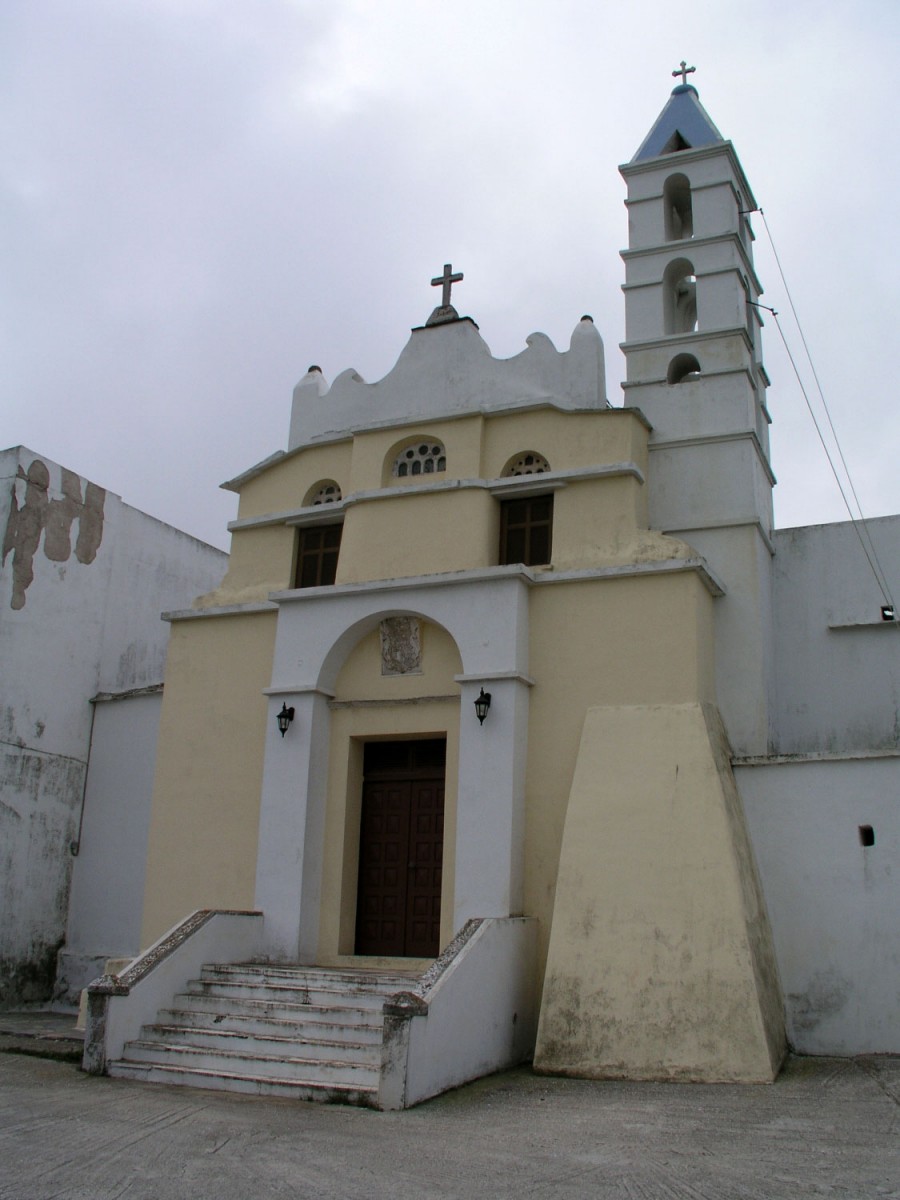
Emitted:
pixel 326 491
pixel 680 297
pixel 420 458
pixel 527 463
pixel 682 367
pixel 678 208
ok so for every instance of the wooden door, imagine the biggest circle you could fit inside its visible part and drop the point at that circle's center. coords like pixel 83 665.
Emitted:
pixel 401 850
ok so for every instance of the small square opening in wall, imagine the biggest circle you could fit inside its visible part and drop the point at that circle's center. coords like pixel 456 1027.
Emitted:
pixel 866 835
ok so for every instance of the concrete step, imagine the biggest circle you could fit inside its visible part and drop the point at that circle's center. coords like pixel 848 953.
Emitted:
pixel 250 1064
pixel 380 981
pixel 279 1010
pixel 269 1044
pixel 255 1085
pixel 365 1031
pixel 265 1029
pixel 283 992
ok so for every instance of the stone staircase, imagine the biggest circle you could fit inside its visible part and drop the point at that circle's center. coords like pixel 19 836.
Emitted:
pixel 309 1033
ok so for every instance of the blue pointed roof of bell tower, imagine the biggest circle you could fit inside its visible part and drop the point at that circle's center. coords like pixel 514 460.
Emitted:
pixel 684 124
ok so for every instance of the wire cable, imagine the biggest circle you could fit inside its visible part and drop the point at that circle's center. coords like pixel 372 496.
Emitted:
pixel 876 571
pixel 870 551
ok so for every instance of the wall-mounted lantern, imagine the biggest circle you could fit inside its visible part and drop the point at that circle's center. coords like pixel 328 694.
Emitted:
pixel 284 718
pixel 482 704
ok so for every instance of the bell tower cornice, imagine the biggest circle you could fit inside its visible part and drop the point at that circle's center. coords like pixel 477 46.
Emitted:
pixel 665 163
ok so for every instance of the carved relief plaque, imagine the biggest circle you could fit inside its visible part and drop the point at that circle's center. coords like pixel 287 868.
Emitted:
pixel 401 649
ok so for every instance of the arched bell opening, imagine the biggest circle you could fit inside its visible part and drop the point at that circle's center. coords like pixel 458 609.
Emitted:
pixel 682 367
pixel 678 207
pixel 680 297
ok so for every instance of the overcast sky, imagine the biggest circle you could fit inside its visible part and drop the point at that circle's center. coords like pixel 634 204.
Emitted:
pixel 202 197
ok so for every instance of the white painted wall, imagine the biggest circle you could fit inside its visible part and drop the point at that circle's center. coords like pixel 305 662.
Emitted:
pixel 833 904
pixel 108 872
pixel 446 370
pixel 837 680
pixel 482 1013
pixel 118 1007
pixel 72 623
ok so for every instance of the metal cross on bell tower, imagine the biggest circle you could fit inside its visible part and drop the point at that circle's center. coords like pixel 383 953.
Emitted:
pixel 684 70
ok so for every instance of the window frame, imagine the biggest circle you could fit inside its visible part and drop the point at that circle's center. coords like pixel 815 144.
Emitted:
pixel 531 557
pixel 325 556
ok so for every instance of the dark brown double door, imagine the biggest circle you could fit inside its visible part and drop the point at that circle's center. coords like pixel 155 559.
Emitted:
pixel 401 848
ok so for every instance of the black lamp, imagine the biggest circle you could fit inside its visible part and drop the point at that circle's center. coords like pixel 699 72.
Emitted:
pixel 887 612
pixel 284 718
pixel 482 704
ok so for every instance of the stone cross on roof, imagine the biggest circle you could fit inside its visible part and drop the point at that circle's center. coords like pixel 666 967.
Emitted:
pixel 445 310
pixel 447 280
pixel 684 70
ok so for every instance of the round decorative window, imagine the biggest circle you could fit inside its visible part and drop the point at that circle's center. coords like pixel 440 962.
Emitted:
pixel 422 458
pixel 328 492
pixel 529 463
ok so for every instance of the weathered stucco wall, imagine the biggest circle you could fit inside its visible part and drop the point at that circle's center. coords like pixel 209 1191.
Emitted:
pixel 661 963
pixel 83 581
pixel 833 901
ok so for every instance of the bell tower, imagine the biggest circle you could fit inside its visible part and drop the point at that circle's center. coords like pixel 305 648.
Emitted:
pixel 694 367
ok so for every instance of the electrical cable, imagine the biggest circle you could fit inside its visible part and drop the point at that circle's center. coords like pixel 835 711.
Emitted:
pixel 870 552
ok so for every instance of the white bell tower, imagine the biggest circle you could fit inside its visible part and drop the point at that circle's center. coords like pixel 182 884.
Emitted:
pixel 694 367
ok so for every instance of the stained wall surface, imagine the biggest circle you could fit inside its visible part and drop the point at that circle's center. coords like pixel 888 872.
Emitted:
pixel 84 579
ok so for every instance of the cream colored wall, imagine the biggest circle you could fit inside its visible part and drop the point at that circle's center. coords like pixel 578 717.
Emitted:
pixel 285 485
pixel 375 453
pixel 205 814
pixel 419 535
pixel 370 706
pixel 566 440
pixel 634 640
pixel 438 531
pixel 629 641
pixel 597 522
pixel 261 561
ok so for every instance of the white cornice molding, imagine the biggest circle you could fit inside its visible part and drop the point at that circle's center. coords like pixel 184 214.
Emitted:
pixel 684 531
pixel 548 481
pixel 224 610
pixel 659 341
pixel 812 758
pixel 481 576
pixel 714 439
pixel 495 677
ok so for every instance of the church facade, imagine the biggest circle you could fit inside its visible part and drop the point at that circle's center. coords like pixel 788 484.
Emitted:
pixel 491 653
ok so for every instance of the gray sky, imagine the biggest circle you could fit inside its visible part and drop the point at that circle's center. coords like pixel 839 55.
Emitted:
pixel 202 197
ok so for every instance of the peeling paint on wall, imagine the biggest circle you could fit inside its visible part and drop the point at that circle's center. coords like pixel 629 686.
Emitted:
pixel 39 514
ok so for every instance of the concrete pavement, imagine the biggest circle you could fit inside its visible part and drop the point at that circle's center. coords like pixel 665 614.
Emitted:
pixel 828 1127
